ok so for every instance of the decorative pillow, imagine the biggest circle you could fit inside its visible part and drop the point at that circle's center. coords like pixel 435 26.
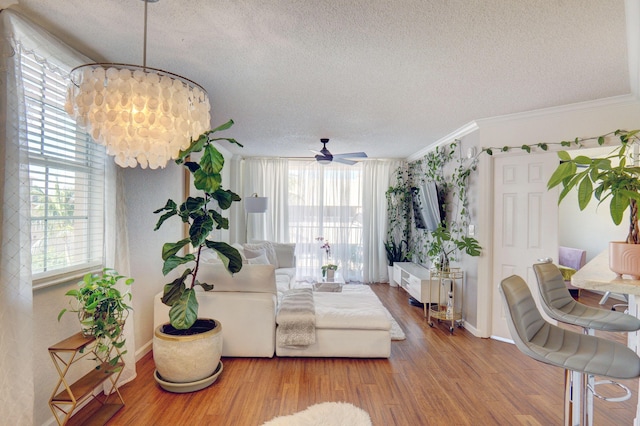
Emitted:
pixel 286 254
pixel 267 247
pixel 253 253
pixel 259 260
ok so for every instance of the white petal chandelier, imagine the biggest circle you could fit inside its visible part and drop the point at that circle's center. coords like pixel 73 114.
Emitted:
pixel 142 115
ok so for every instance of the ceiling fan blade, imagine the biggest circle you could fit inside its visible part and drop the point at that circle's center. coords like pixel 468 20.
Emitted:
pixel 351 155
pixel 316 152
pixel 344 161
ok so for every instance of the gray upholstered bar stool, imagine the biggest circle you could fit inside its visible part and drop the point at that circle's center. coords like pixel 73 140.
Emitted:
pixel 578 354
pixel 557 302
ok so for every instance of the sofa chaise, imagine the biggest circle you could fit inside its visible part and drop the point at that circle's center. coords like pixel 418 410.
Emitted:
pixel 353 323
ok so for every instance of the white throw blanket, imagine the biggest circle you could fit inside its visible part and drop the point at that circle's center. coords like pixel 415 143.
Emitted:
pixel 296 318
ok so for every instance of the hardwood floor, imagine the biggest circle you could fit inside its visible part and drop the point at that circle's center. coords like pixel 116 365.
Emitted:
pixel 431 378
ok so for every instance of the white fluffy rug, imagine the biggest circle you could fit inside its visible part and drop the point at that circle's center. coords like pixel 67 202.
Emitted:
pixel 396 332
pixel 325 414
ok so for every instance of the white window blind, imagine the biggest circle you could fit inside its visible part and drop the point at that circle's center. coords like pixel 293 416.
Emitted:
pixel 67 179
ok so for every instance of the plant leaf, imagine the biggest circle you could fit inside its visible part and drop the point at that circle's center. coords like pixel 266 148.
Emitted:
pixel 229 255
pixel 173 291
pixel 200 228
pixel 174 261
pixel 585 190
pixel 170 249
pixel 619 204
pixel 184 312
pixel 563 170
pixel 225 198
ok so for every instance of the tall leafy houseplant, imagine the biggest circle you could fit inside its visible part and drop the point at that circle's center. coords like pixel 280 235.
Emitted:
pixel 613 177
pixel 602 179
pixel 202 218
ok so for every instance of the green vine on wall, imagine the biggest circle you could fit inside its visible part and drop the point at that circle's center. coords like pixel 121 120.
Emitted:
pixel 444 166
pixel 451 173
pixel 399 217
pixel 624 136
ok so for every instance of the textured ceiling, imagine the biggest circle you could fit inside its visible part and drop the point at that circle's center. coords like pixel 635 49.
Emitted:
pixel 381 76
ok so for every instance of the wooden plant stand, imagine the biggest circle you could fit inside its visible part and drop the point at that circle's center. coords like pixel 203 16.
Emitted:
pixel 67 396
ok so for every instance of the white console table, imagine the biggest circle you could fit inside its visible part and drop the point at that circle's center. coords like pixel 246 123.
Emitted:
pixel 416 281
pixel 596 275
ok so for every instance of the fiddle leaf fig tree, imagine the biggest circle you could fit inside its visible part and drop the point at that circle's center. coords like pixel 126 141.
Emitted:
pixel 202 218
pixel 610 177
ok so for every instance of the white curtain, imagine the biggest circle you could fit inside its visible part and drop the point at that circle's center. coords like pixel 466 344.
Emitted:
pixel 16 297
pixel 377 176
pixel 267 178
pixel 117 257
pixel 17 393
pixel 326 201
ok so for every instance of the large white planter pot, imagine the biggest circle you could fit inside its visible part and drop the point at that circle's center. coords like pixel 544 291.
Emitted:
pixel 392 283
pixel 624 259
pixel 190 358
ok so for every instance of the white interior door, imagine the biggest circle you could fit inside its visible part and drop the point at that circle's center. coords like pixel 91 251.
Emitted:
pixel 525 223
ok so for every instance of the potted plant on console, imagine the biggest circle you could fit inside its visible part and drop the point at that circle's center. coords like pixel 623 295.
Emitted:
pixel 612 177
pixel 444 243
pixel 187 350
pixel 396 253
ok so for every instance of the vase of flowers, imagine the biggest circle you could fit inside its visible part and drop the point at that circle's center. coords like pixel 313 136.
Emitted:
pixel 328 269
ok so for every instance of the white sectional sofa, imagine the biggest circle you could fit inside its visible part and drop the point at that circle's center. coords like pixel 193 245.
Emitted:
pixel 348 324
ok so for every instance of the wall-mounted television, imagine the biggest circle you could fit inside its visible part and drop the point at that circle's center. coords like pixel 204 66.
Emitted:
pixel 427 208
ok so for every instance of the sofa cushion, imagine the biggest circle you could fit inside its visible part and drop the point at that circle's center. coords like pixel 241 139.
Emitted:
pixel 259 260
pixel 251 278
pixel 286 254
pixel 254 250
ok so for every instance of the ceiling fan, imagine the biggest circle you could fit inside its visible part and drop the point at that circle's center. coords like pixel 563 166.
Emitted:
pixel 325 157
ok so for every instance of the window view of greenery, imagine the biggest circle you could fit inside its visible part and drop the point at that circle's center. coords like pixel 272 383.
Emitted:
pixel 66 177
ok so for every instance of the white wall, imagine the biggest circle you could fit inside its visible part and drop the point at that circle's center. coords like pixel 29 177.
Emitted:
pixel 550 125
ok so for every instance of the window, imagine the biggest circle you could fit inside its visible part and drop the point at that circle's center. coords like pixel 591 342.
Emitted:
pixel 67 179
pixel 326 201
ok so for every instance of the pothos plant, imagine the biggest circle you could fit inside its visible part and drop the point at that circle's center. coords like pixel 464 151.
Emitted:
pixel 201 216
pixel 102 310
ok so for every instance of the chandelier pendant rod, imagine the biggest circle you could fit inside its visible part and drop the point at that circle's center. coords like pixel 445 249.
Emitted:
pixel 144 42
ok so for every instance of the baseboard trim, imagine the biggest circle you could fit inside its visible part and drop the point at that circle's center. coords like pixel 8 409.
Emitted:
pixel 145 349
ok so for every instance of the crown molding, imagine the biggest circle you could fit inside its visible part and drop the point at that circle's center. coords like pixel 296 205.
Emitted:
pixel 472 126
pixel 460 132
